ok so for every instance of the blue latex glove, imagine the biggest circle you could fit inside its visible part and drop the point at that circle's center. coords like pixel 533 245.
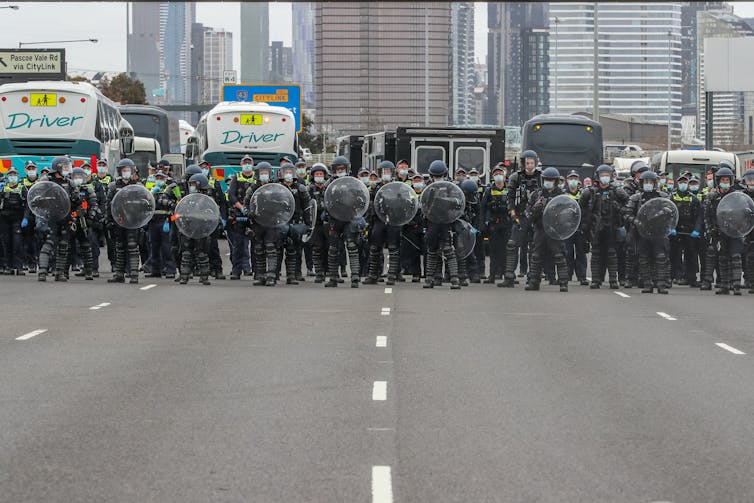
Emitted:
pixel 24 223
pixel 245 210
pixel 166 227
pixel 474 230
pixel 695 234
pixel 224 222
pixel 673 232
pixel 241 219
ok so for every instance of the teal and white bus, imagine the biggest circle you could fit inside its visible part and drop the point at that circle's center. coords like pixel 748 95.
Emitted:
pixel 40 120
pixel 233 129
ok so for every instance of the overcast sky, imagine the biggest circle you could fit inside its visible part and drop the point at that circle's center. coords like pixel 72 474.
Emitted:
pixel 38 22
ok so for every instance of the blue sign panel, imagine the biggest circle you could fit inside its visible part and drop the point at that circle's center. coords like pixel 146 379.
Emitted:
pixel 279 95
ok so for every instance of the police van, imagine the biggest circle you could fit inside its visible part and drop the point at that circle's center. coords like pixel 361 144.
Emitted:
pixel 698 162
pixel 466 148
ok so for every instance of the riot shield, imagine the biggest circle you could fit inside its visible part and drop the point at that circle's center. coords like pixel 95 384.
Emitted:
pixel 132 207
pixel 49 201
pixel 271 205
pixel 346 198
pixel 312 211
pixel 561 217
pixel 656 218
pixel 196 216
pixel 735 215
pixel 464 238
pixel 442 202
pixel 396 203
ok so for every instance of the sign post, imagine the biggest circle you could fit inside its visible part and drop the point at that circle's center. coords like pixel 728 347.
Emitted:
pixel 279 95
pixel 23 65
pixel 229 76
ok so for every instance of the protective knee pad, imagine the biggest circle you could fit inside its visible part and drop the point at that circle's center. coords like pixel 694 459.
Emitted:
pixel 394 262
pixel 353 257
pixel 271 254
pixel 373 264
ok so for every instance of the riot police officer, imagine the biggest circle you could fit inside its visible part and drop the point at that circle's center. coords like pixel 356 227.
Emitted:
pixel 12 209
pixel 747 187
pixel 266 240
pixel 125 241
pixel 628 255
pixel 301 215
pixel 684 238
pixel 649 249
pixel 318 239
pixel 240 245
pixel 521 185
pixel 382 235
pixel 576 245
pixel 160 229
pixel 542 244
pixel 440 241
pixel 496 222
pixel 195 252
pixel 412 237
pixel 468 267
pixel 29 239
pixel 601 206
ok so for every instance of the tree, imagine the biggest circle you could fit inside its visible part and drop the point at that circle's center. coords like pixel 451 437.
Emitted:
pixel 124 90
pixel 308 137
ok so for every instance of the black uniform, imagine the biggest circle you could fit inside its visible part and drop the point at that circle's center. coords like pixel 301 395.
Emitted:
pixel 125 241
pixel 160 231
pixel 628 257
pixel 601 226
pixel 520 188
pixel 318 239
pixel 683 245
pixel 266 241
pixel 339 232
pixel 468 267
pixel 542 244
pixel 649 250
pixel 12 209
pixel 301 215
pixel 724 250
pixel 240 246
pixel 496 225
pixel 380 236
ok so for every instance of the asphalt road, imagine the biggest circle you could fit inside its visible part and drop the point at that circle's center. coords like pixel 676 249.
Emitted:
pixel 251 394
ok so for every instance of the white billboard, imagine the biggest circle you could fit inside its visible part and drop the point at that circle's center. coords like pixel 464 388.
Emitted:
pixel 727 64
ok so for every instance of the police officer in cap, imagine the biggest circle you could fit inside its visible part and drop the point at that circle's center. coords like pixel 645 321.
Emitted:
pixel 318 239
pixel 684 238
pixel 496 221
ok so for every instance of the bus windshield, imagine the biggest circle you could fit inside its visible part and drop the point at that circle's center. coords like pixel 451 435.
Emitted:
pixel 564 144
pixel 46 114
pixel 143 124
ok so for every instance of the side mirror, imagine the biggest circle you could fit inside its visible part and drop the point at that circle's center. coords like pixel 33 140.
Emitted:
pixel 127 145
pixel 191 151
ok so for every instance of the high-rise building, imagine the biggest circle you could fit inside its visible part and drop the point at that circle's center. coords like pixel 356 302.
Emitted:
pixel 462 73
pixel 689 96
pixel 379 65
pixel 517 44
pixel 255 42
pixel 732 113
pixel 639 59
pixel 218 57
pixel 176 20
pixel 303 49
pixel 281 63
pixel 145 47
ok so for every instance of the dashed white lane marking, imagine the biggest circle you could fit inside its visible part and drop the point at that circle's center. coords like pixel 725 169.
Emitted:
pixel 388 290
pixel 99 306
pixel 666 316
pixel 148 287
pixel 382 485
pixel 31 334
pixel 729 348
pixel 381 341
pixel 385 311
pixel 379 391
pixel 621 294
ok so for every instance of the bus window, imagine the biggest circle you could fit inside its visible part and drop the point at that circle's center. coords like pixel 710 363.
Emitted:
pixel 470 157
pixel 424 156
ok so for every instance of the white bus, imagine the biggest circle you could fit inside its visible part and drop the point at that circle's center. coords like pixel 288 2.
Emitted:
pixel 233 129
pixel 185 130
pixel 44 119
pixel 698 162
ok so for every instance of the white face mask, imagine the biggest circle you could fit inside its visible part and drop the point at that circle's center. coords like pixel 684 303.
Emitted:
pixel 102 171
pixel 125 174
pixel 403 172
pixel 340 174
pixel 192 189
pixel 205 171
pixel 12 178
pixel 418 185
pixel 300 172
pixel 386 178
pixel 474 179
pixel 31 174
pixel 288 177
pixel 604 180
pixel 67 171
pixel 264 178
pixel 247 169
pixel 319 179
pixel 548 184
pixel 88 172
pixel 573 183
pixel 364 180
pixel 499 178
pixel 77 181
pixel 648 187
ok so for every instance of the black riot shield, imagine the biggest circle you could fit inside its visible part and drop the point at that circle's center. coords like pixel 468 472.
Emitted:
pixel 396 203
pixel 735 215
pixel 656 218
pixel 346 198
pixel 132 207
pixel 442 202
pixel 561 217
pixel 271 205
pixel 197 216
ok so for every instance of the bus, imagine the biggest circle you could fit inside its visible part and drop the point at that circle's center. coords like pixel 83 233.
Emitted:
pixel 698 162
pixel 185 130
pixel 43 119
pixel 233 129
pixel 153 122
pixel 565 142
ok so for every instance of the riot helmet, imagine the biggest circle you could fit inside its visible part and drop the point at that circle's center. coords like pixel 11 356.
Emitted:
pixel 199 182
pixel 438 169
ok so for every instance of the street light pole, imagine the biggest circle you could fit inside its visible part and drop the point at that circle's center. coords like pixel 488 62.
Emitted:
pixel 557 20
pixel 596 97
pixel 92 40
pixel 670 96
pixel 13 7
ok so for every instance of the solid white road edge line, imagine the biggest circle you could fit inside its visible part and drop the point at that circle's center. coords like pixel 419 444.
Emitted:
pixel 99 306
pixel 381 341
pixel 666 316
pixel 382 485
pixel 31 334
pixel 729 348
pixel 379 391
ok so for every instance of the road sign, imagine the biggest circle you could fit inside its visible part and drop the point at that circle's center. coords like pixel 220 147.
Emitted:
pixel 21 65
pixel 229 76
pixel 279 95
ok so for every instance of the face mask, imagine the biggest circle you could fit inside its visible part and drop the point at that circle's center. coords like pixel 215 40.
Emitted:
pixel 710 183
pixel 662 182
pixel 300 172
pixel 683 187
pixel 403 172
pixel 288 177
pixel 340 174
pixel 573 183
pixel 264 178
pixel 561 185
pixel 150 178
pixel 77 181
pixel 102 171
pixel 418 185
pixel 125 175
pixel 694 188
pixel 159 183
pixel 12 179
pixel 605 180
pixel 247 168
pixel 499 178
pixel 319 179
pixel 649 187
pixel 192 189
pixel 31 174
pixel 548 184
pixel 670 186
pixel 724 186
pixel 67 172
pixel 474 179
pixel 88 172
pixel 387 178
pixel 365 180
